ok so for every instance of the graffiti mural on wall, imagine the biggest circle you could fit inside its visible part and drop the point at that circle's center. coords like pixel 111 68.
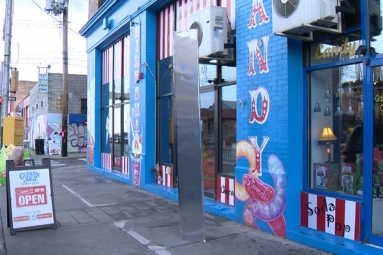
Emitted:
pixel 38 129
pixel 263 202
pixel 77 136
pixel 54 126
pixel 48 127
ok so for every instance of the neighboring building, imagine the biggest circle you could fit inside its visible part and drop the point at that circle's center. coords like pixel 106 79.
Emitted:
pixel 93 6
pixel 43 118
pixel 291 127
pixel 22 92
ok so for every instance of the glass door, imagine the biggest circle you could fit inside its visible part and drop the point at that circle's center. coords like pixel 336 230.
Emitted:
pixel 373 186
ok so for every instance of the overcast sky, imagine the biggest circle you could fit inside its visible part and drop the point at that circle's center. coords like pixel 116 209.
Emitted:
pixel 38 37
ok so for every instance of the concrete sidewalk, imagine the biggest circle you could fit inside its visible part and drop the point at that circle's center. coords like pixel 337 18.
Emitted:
pixel 96 215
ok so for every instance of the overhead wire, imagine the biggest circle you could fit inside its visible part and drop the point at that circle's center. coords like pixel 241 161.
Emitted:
pixel 54 17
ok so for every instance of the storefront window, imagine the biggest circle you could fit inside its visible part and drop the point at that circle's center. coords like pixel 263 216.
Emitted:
pixel 229 129
pixel 166 130
pixel 335 49
pixel 118 136
pixel 115 101
pixel 336 137
pixel 107 133
pixel 207 74
pixel 376 9
pixel 208 140
pixel 126 129
pixel 229 73
pixel 377 157
pixel 166 125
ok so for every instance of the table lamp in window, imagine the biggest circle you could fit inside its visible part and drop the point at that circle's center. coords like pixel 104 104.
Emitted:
pixel 327 137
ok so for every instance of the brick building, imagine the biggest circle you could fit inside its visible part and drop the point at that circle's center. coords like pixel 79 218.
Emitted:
pixel 43 118
pixel 23 91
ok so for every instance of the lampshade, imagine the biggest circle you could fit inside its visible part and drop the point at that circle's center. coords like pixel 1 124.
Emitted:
pixel 327 135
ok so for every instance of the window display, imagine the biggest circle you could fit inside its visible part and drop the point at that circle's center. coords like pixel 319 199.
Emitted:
pixel 115 94
pixel 336 119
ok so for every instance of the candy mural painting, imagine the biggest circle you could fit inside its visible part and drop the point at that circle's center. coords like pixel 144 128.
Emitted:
pixel 262 192
pixel 136 145
pixel 263 201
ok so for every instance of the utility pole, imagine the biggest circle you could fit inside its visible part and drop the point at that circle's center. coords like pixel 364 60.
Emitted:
pixel 6 64
pixel 64 124
pixel 57 7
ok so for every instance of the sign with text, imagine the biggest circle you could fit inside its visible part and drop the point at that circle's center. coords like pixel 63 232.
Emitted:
pixel 12 98
pixel 331 215
pixel 43 82
pixel 30 197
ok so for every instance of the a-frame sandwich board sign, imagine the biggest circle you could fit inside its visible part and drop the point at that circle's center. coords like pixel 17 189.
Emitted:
pixel 30 203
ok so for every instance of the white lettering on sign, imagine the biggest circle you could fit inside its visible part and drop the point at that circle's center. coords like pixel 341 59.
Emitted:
pixel 31 200
pixel 31 196
pixel 43 78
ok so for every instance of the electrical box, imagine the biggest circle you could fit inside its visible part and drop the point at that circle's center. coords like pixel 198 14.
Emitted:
pixel 13 131
pixel 14 81
pixel 49 5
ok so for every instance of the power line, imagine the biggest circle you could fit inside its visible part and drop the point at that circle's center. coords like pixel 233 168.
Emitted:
pixel 38 54
pixel 75 59
pixel 53 17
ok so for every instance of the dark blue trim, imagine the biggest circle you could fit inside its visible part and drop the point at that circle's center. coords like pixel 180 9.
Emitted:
pixel 333 64
pixel 329 242
pixel 111 174
pixel 306 128
pixel 332 194
pixel 368 150
pixel 96 20
pixel 112 5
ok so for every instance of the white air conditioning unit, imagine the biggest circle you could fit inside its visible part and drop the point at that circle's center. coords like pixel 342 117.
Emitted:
pixel 296 18
pixel 211 24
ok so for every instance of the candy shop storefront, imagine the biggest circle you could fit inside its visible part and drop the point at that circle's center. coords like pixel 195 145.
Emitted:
pixel 291 126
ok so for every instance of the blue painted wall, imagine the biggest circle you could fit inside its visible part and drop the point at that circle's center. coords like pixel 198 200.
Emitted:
pixel 282 164
pixel 147 91
pixel 267 213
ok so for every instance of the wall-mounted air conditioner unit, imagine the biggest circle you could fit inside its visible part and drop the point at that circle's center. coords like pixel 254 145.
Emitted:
pixel 299 18
pixel 211 23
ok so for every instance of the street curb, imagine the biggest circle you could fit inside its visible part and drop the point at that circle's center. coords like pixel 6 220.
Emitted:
pixel 71 157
